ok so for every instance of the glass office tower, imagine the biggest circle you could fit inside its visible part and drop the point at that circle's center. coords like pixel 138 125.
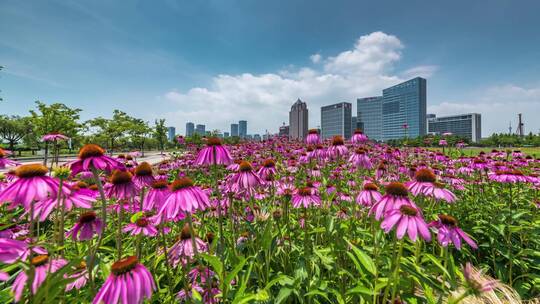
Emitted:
pixel 369 113
pixel 336 119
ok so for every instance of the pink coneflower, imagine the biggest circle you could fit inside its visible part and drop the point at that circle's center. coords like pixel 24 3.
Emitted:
pixel 93 156
pixel 440 193
pixel 381 171
pixel 54 137
pixel 245 181
pixel 360 159
pixel 80 276
pixel 396 195
pixel 443 143
pixel 424 179
pixel 121 186
pixel 141 225
pixel 208 294
pixel 180 140
pixel 358 137
pixel 369 195
pixel 476 282
pixel 185 197
pixel 313 137
pixel 31 185
pixel 182 250
pixel 143 175
pixel 408 219
pixel 213 153
pixel 129 282
pixel 305 197
pixel 448 232
pixel 508 176
pixel 156 196
pixel 42 267
pixel 5 161
pixel 268 169
pixel 71 197
pixel 13 250
pixel 338 148
pixel 86 226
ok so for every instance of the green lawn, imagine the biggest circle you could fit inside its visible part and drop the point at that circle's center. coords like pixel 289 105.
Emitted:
pixel 472 151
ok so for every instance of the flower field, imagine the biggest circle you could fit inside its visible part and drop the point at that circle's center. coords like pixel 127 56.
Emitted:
pixel 273 222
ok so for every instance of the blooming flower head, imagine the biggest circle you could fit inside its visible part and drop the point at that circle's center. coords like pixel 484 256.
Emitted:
pixel 71 196
pixel 183 251
pixel 338 148
pixel 141 226
pixel 408 219
pixel 42 266
pixel 80 277
pixel 395 196
pixel 360 159
pixel 129 282
pixel 143 175
pixel 369 195
pixel 424 179
pixel 439 192
pixel 5 161
pixel 93 156
pixel 268 169
pixel 156 196
pixel 448 232
pixel 54 137
pixel 184 197
pixel 305 197
pixel 213 153
pixel 13 250
pixel 358 137
pixel 86 226
pixel 31 185
pixel 245 181
pixel 121 185
pixel 476 282
pixel 313 137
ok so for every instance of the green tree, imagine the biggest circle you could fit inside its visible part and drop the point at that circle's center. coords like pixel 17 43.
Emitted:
pixel 13 129
pixel 111 130
pixel 139 131
pixel 160 133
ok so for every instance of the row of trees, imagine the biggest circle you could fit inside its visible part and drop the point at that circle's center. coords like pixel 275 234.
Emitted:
pixel 495 140
pixel 120 132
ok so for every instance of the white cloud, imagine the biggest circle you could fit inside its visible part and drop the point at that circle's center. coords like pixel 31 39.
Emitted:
pixel 315 58
pixel 425 71
pixel 499 106
pixel 265 99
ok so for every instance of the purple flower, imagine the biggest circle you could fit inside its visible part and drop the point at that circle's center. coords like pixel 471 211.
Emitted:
pixel 129 282
pixel 183 251
pixel 396 196
pixel 157 195
pixel 86 226
pixel 313 137
pixel 245 181
pixel 54 137
pixel 93 156
pixel 449 233
pixel 4 161
pixel 143 175
pixel 305 197
pixel 213 153
pixel 185 197
pixel 141 225
pixel 43 266
pixel 359 137
pixel 338 148
pixel 369 195
pixel 408 219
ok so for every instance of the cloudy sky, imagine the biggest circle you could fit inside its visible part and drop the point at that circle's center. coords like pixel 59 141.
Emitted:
pixel 216 62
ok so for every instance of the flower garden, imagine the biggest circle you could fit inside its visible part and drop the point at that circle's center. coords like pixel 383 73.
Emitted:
pixel 273 222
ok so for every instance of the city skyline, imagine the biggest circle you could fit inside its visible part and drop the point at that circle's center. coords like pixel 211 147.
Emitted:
pixel 190 70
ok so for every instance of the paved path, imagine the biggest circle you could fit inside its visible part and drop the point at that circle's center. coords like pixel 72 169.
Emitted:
pixel 150 157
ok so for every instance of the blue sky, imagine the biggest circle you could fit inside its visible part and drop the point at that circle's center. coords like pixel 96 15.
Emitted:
pixel 216 62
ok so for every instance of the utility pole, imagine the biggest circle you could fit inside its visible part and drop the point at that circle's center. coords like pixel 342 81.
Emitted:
pixel 520 126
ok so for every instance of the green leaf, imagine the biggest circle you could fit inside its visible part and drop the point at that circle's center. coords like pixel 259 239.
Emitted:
pixel 136 216
pixel 366 261
pixel 230 276
pixel 215 263
pixel 360 289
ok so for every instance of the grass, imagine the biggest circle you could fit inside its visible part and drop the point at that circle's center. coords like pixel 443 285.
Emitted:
pixel 472 151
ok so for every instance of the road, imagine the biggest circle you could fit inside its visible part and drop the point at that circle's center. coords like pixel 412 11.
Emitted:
pixel 150 157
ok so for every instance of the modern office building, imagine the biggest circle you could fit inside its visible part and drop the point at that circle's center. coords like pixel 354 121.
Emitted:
pixel 404 110
pixel 465 125
pixel 242 128
pixel 225 134
pixel 171 133
pixel 234 129
pixel 190 129
pixel 354 123
pixel 336 119
pixel 369 113
pixel 200 130
pixel 257 137
pixel 284 131
pixel 298 120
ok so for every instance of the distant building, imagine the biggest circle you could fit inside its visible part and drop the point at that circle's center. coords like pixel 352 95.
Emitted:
pixel 190 129
pixel 207 133
pixel 171 133
pixel 242 128
pixel 354 123
pixel 200 130
pixel 248 137
pixel 298 120
pixel 404 110
pixel 336 119
pixel 369 116
pixel 225 134
pixel 256 137
pixel 234 129
pixel 465 125
pixel 284 131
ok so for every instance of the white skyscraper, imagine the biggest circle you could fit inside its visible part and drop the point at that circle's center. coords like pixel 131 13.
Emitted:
pixel 298 120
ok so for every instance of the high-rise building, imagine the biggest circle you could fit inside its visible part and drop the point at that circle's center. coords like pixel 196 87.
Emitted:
pixel 200 130
pixel 284 131
pixel 336 119
pixel 256 137
pixel 225 134
pixel 171 133
pixel 242 128
pixel 354 123
pixel 234 129
pixel 404 110
pixel 190 129
pixel 298 120
pixel 464 125
pixel 369 113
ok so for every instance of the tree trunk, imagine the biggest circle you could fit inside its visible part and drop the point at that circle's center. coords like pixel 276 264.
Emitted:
pixel 46 153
